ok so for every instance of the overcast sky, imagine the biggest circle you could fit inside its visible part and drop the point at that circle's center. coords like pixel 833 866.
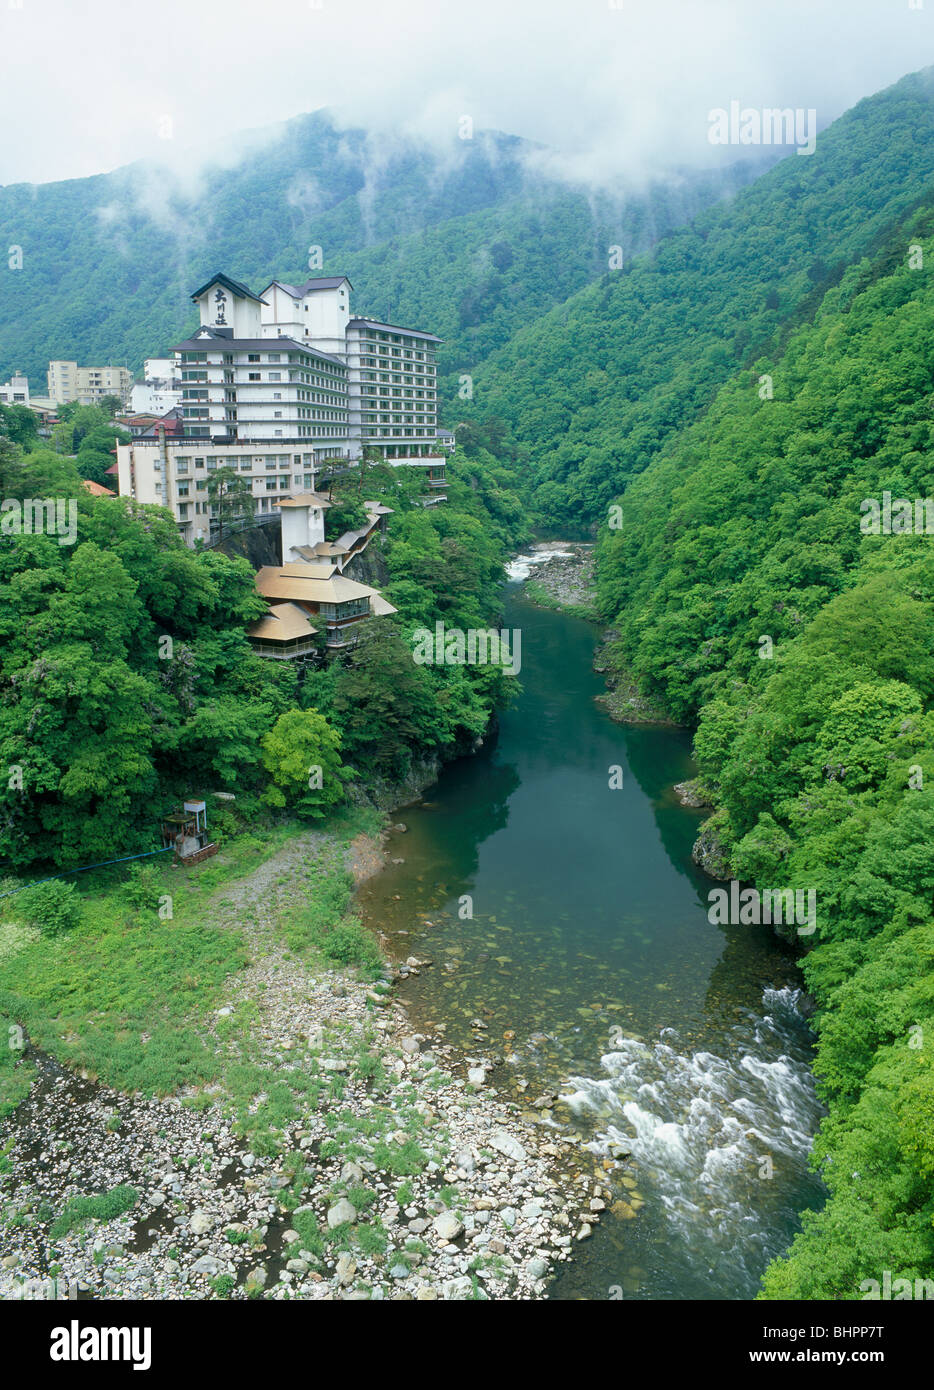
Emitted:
pixel 615 86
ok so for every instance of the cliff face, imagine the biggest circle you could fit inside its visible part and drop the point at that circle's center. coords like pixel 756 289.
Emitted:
pixel 260 545
pixel 370 567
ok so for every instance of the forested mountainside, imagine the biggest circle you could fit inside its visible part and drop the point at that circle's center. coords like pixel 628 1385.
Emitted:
pixel 585 396
pixel 469 243
pixel 750 593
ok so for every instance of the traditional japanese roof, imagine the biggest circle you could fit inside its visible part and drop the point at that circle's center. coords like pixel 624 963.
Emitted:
pixel 95 489
pixel 207 334
pixel 378 509
pixel 235 287
pixel 381 607
pixel 295 582
pixel 283 623
pixel 324 282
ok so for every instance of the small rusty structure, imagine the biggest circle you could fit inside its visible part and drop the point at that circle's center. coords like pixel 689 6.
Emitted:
pixel 186 831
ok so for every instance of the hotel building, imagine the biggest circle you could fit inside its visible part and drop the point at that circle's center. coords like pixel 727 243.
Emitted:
pixel 278 384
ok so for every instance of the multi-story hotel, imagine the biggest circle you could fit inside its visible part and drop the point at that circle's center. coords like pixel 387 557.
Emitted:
pixel 278 384
pixel 88 385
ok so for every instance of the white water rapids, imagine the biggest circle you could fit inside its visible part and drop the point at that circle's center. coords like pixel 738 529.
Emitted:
pixel 719 1140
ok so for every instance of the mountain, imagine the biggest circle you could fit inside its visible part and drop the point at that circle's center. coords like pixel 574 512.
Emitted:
pixel 469 241
pixel 750 593
pixel 589 393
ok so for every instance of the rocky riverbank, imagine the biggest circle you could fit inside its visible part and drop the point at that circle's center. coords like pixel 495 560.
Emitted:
pixel 397 1178
pixel 560 575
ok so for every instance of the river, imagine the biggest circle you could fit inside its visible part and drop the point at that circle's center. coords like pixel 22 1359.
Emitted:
pixel 675 1046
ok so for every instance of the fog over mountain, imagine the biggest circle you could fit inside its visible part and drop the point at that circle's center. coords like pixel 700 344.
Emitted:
pixel 88 88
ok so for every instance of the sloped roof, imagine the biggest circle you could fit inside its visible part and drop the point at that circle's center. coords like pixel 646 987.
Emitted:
pixel 95 489
pixel 318 569
pixel 235 287
pixel 287 582
pixel 323 282
pixel 207 335
pixel 283 623
pixel 393 328
pixel 381 607
pixel 305 499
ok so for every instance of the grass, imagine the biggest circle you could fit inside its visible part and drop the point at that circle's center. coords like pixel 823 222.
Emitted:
pixel 104 1207
pixel 131 995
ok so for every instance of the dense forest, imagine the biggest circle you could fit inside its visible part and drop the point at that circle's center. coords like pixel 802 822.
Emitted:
pixel 749 594
pixel 470 242
pixel 584 397
pixel 127 678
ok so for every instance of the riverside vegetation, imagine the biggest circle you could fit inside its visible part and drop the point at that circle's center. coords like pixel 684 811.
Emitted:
pixel 263 1123
pixel 745 596
pixel 246 1080
pixel 735 397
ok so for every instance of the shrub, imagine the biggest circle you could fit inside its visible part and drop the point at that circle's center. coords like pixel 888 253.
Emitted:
pixel 349 943
pixel 142 887
pixel 53 907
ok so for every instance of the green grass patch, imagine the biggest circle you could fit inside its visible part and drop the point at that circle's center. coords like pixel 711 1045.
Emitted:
pixel 104 1207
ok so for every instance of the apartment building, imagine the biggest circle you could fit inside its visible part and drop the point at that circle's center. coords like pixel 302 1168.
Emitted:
pixel 87 385
pixel 277 385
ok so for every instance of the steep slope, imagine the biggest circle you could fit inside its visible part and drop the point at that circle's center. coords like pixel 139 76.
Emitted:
pixel 747 592
pixel 592 391
pixel 468 241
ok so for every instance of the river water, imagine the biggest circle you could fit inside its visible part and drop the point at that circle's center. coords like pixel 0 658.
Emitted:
pixel 677 1049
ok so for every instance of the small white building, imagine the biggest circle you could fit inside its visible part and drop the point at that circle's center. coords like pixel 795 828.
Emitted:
pixel 161 388
pixel 302 523
pixel 15 391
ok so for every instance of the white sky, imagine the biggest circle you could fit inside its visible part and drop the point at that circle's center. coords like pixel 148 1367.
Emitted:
pixel 615 85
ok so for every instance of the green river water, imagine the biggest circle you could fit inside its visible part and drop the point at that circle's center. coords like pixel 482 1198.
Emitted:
pixel 591 962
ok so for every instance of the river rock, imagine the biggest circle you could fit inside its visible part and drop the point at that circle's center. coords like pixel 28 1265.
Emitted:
pixel 447 1226
pixel 507 1145
pixel 341 1212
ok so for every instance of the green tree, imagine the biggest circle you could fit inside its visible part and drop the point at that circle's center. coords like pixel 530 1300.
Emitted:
pixel 301 753
pixel 231 496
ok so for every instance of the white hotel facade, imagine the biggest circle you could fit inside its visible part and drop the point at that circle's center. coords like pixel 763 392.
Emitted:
pixel 278 384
